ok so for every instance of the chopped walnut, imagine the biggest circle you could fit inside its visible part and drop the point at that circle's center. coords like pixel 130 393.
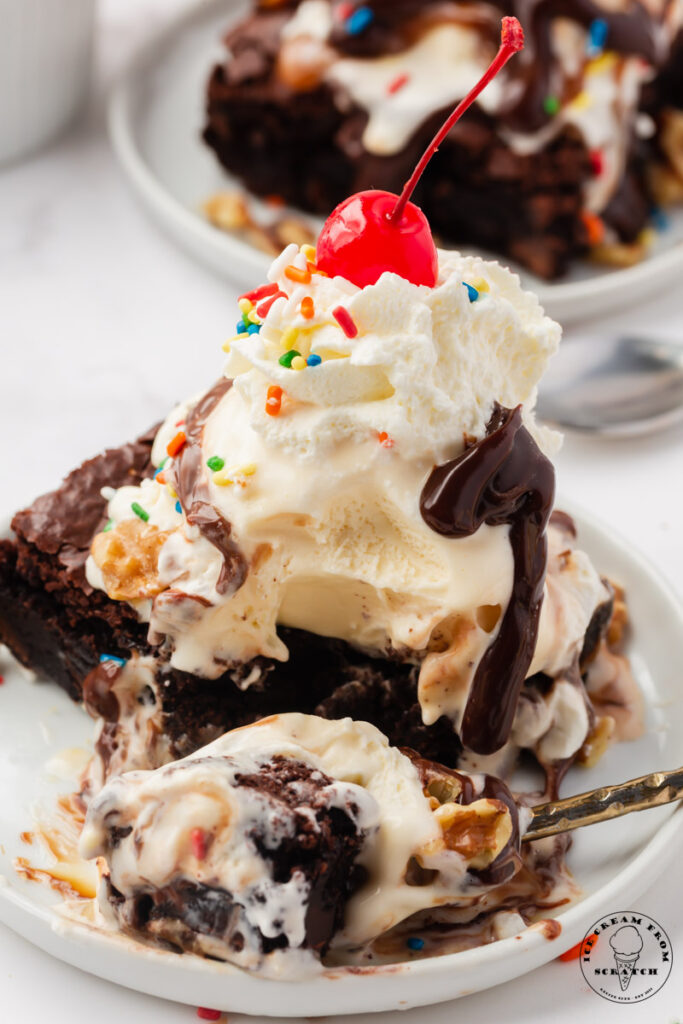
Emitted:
pixel 666 185
pixel 477 831
pixel 618 624
pixel 619 254
pixel 227 211
pixel 598 740
pixel 127 556
pixel 230 212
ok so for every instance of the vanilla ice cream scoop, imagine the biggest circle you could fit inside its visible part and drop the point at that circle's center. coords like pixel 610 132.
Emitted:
pixel 290 493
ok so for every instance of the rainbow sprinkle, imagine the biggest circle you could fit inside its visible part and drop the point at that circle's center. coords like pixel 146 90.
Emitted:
pixel 597 162
pixel 597 36
pixel 298 363
pixel 385 440
pixel 357 22
pixel 298 275
pixel 107 528
pixel 415 943
pixel 253 328
pixel 286 359
pixel 582 101
pixel 264 307
pixel 289 337
pixel 176 443
pixel 274 400
pixel 179 508
pixel 139 511
pixel 222 478
pixel 215 462
pixel 314 359
pixel 198 843
pixel 345 321
pixel 551 105
pixel 262 292
pixel 595 227
pixel 472 293
pixel 307 308
pixel 112 657
pixel 397 83
pixel 660 219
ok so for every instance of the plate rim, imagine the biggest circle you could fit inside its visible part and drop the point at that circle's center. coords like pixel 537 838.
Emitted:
pixel 73 942
pixel 563 298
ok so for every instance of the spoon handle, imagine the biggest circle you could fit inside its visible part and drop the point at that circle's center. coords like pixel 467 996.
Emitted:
pixel 604 803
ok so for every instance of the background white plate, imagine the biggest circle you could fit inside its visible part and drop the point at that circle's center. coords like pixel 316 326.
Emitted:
pixel 156 118
pixel 613 862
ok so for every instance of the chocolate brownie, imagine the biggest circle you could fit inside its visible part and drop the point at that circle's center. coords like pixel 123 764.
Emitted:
pixel 303 846
pixel 285 126
pixel 57 625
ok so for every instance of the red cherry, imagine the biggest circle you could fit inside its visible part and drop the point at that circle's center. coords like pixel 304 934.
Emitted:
pixel 373 232
pixel 359 241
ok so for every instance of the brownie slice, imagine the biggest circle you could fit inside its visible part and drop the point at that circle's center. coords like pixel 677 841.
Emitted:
pixel 50 617
pixel 57 625
pixel 302 141
pixel 289 832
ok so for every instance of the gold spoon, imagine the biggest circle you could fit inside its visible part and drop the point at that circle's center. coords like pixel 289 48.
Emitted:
pixel 604 803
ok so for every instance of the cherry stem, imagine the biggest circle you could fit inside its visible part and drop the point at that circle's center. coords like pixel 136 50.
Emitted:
pixel 511 41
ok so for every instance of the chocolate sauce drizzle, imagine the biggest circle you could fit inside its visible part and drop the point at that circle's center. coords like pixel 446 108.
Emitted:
pixel 193 492
pixel 636 31
pixel 501 479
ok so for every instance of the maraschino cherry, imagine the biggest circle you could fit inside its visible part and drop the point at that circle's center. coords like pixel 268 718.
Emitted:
pixel 375 231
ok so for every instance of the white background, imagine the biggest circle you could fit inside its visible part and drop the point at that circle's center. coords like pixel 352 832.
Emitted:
pixel 102 325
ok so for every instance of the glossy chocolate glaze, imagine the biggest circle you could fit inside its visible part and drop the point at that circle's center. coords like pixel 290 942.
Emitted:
pixel 193 492
pixel 502 479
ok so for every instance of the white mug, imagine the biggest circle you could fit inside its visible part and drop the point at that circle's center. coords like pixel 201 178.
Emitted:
pixel 45 66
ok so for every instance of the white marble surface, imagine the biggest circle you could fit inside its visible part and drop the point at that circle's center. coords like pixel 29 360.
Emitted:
pixel 103 323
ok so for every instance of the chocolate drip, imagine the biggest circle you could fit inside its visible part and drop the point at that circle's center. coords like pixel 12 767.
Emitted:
pixel 503 479
pixel 194 493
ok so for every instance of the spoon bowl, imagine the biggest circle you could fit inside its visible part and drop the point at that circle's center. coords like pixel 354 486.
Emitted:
pixel 614 387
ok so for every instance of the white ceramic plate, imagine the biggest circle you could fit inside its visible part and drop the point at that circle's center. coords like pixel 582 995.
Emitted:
pixel 156 117
pixel 613 862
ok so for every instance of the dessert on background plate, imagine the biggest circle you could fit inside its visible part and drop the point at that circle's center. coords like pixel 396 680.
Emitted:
pixel 570 153
pixel 345 546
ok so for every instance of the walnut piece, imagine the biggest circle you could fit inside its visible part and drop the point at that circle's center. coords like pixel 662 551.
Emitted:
pixel 477 831
pixel 127 556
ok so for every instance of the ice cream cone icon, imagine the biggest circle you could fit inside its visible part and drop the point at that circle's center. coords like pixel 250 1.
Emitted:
pixel 626 945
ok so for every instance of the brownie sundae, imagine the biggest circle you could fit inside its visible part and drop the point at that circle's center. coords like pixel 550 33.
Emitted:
pixel 564 156
pixel 346 545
